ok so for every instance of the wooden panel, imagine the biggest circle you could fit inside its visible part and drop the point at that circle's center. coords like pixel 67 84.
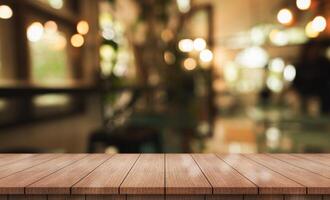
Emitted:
pixel 224 197
pixel 268 181
pixel 309 165
pixel 107 178
pixel 15 167
pixel 315 184
pixel 146 176
pixel 183 176
pixel 27 197
pixel 145 197
pixel 303 197
pixel 6 159
pixel 185 197
pixel 3 197
pixel 326 197
pixel 263 197
pixel 61 181
pixel 66 197
pixel 223 178
pixel 14 184
pixel 105 197
pixel 317 158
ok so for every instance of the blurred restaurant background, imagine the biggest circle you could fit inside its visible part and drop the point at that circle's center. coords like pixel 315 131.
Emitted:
pixel 226 76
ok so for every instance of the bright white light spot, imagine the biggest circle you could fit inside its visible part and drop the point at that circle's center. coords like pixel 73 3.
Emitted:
pixel 274 84
pixel 199 44
pixel 310 32
pixel 319 24
pixel 35 32
pixel 289 73
pixel 57 4
pixel 276 65
pixel 253 57
pixel 273 136
pixel 183 5
pixel 189 64
pixel 77 40
pixel 279 38
pixel 5 12
pixel 186 45
pixel 83 27
pixel 285 16
pixel 303 4
pixel 206 55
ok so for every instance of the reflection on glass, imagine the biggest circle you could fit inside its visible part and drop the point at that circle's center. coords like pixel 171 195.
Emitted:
pixel 48 53
pixel 49 100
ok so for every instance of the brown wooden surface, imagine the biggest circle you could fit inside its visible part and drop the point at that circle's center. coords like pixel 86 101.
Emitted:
pixel 183 176
pixel 314 183
pixel 61 181
pixel 164 176
pixel 107 178
pixel 223 178
pixel 146 177
pixel 268 181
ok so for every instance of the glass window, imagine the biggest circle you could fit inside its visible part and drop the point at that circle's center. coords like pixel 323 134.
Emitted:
pixel 48 53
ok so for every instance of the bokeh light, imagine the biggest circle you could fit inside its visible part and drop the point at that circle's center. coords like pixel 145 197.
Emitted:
pixel 186 45
pixel 50 26
pixel 5 12
pixel 35 32
pixel 310 32
pixel 303 4
pixel 199 44
pixel 276 65
pixel 319 24
pixel 285 16
pixel 206 55
pixel 83 27
pixel 77 40
pixel 289 73
pixel 189 64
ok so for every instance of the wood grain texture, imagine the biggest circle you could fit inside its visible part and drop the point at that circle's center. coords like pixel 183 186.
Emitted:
pixel 224 197
pixel 105 197
pixel 66 197
pixel 107 178
pixel 15 183
pixel 27 197
pixel 303 197
pixel 61 181
pixel 317 158
pixel 306 164
pixel 264 197
pixel 145 197
pixel 185 197
pixel 146 176
pixel 7 170
pixel 268 181
pixel 315 183
pixel 6 159
pixel 183 176
pixel 223 178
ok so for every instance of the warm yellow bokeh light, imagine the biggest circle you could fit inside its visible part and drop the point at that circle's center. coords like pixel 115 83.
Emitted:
pixel 206 55
pixel 5 12
pixel 285 16
pixel 303 4
pixel 51 26
pixel 319 24
pixel 186 45
pixel 169 57
pixel 310 32
pixel 83 27
pixel 35 32
pixel 189 64
pixel 77 40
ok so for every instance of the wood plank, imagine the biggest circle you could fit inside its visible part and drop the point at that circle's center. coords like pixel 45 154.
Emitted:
pixel 27 197
pixel 66 197
pixel 61 181
pixel 24 164
pixel 6 159
pixel 145 197
pixel 107 178
pixel 183 176
pixel 105 197
pixel 15 183
pixel 264 197
pixel 146 177
pixel 223 178
pixel 224 197
pixel 268 181
pixel 315 183
pixel 303 197
pixel 308 165
pixel 317 158
pixel 185 197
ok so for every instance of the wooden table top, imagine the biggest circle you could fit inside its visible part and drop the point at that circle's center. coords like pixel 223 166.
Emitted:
pixel 160 174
